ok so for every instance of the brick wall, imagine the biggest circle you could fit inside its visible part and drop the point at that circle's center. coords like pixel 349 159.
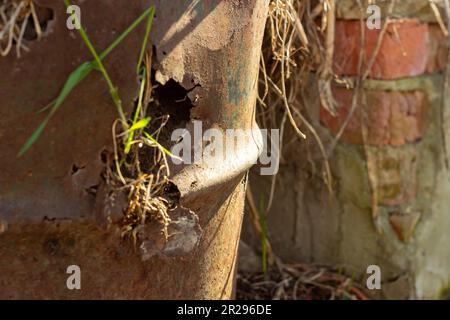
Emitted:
pixel 405 118
pixel 407 48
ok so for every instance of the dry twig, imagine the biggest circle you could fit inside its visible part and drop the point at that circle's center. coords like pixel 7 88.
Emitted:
pixel 299 282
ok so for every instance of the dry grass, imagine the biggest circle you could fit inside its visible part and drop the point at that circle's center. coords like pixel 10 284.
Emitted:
pixel 297 43
pixel 15 15
pixel 300 43
pixel 299 282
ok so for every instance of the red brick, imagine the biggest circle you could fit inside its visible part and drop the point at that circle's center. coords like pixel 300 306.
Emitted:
pixel 404 224
pixel 397 181
pixel 393 118
pixel 409 48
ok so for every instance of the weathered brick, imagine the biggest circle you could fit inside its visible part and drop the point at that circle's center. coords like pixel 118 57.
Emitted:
pixel 397 181
pixel 409 48
pixel 404 224
pixel 393 117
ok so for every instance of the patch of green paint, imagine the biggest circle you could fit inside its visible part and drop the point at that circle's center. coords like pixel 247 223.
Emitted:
pixel 239 84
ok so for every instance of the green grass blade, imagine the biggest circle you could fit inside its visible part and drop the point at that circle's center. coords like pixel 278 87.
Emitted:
pixel 136 114
pixel 113 90
pixel 34 136
pixel 144 43
pixel 140 124
pixel 49 106
pixel 124 34
pixel 75 78
pixel 263 236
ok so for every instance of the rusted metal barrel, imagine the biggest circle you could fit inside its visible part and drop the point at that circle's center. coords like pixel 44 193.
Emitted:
pixel 209 49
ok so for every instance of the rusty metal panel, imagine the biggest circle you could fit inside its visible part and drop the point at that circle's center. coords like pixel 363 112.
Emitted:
pixel 210 48
pixel 41 183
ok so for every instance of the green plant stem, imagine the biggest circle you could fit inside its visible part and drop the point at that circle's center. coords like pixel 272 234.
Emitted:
pixel 263 236
pixel 113 90
pixel 136 114
pixel 144 43
pixel 75 78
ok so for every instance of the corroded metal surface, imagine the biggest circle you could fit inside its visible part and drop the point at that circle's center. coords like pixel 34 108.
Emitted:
pixel 44 183
pixel 47 220
pixel 35 258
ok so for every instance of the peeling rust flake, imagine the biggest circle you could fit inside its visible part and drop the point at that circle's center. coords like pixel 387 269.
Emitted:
pixel 184 236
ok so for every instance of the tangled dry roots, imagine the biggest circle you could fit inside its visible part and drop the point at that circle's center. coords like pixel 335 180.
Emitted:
pixel 142 176
pixel 299 42
pixel 14 18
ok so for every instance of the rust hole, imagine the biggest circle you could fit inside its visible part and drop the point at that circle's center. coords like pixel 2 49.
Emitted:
pixel 104 156
pixel 92 190
pixel 169 101
pixel 45 16
pixel 51 246
pixel 76 168
pixel 171 98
